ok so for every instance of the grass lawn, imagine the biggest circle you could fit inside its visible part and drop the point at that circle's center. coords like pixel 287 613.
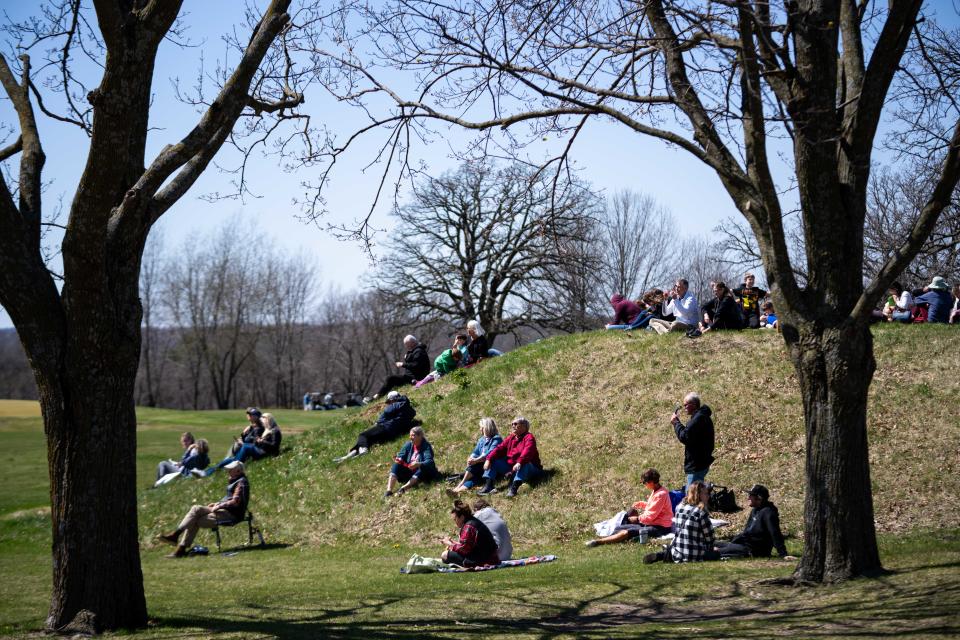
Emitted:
pixel 331 566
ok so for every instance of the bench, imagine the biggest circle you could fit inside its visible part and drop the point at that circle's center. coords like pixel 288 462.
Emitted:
pixel 251 529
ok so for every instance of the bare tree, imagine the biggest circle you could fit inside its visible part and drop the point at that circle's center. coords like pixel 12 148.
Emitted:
pixel 698 262
pixel 726 82
pixel 638 243
pixel 153 358
pixel 84 340
pixel 470 242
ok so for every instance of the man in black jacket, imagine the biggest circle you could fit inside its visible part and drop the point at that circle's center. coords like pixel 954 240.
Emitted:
pixel 415 366
pixel 696 436
pixel 762 533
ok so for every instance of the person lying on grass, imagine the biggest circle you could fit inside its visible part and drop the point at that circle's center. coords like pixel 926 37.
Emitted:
pixel 396 418
pixel 762 533
pixel 516 457
pixel 475 547
pixel 693 539
pixel 489 440
pixel 231 508
pixel 412 465
pixel 647 518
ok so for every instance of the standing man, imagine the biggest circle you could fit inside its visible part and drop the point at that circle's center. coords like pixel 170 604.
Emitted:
pixel 415 366
pixel 750 297
pixel 517 456
pixel 681 304
pixel 231 508
pixel 696 436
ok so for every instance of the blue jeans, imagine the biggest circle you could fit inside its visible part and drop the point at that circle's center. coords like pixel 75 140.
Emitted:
pixel 500 467
pixel 697 475
pixel 476 472
pixel 902 316
pixel 422 474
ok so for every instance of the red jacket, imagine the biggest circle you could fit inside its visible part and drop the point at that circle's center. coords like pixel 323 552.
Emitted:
pixel 514 449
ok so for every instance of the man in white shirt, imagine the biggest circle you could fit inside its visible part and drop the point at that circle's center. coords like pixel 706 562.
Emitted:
pixel 681 304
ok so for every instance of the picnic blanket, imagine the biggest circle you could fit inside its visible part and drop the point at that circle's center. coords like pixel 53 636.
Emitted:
pixel 419 564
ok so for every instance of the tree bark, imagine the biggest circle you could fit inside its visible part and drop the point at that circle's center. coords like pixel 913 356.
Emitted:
pixel 835 366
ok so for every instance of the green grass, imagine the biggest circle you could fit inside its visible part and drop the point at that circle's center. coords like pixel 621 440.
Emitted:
pixel 598 405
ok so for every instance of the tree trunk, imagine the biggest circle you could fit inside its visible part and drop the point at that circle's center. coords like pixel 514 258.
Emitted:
pixel 835 366
pixel 90 423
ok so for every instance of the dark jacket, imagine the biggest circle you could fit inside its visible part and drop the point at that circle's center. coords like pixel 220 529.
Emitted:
pixel 726 315
pixel 270 442
pixel 417 362
pixel 478 348
pixel 940 302
pixel 238 495
pixel 750 298
pixel 397 416
pixel 477 543
pixel 251 432
pixel 697 439
pixel 624 311
pixel 762 533
pixel 193 459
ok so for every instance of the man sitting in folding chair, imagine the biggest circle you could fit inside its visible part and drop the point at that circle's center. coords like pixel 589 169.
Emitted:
pixel 231 509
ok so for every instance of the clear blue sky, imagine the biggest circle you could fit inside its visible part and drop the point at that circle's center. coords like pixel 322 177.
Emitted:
pixel 610 155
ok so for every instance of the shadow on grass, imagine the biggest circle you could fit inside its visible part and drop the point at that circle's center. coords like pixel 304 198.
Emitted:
pixel 875 608
pixel 255 547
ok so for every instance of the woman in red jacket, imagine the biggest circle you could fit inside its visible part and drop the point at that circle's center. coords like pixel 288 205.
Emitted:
pixel 647 518
pixel 516 457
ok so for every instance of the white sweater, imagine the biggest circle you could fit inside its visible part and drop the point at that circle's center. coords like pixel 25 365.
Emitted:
pixel 686 309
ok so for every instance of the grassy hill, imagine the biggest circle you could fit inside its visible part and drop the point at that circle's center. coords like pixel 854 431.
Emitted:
pixel 599 405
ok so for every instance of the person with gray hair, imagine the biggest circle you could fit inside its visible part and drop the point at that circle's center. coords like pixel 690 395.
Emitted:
pixel 696 435
pixel 412 465
pixel 415 366
pixel 489 440
pixel 516 457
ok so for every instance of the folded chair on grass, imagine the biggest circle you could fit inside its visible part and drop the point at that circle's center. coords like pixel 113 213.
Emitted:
pixel 251 530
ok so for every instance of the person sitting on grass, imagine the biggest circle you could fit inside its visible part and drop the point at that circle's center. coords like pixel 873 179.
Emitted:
pixel 447 361
pixel 647 518
pixel 937 296
pixel 489 440
pixel 692 529
pixel 415 365
pixel 762 533
pixel 195 456
pixel 516 457
pixel 475 547
pixel 955 309
pixel 412 465
pixel 479 347
pixel 268 444
pixel 750 296
pixel 489 516
pixel 726 314
pixel 231 508
pixel 768 319
pixel 396 418
pixel 625 312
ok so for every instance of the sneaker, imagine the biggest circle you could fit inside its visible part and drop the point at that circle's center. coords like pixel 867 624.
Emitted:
pixel 512 491
pixel 650 558
pixel 198 473
pixel 487 492
pixel 401 491
pixel 362 450
pixel 179 552
pixel 591 543
pixel 387 494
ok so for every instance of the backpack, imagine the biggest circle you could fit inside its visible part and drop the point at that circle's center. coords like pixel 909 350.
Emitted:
pixel 723 500
pixel 920 313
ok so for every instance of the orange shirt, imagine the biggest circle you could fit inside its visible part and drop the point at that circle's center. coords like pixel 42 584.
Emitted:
pixel 656 510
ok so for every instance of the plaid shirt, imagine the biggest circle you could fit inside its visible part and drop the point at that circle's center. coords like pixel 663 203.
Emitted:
pixel 693 533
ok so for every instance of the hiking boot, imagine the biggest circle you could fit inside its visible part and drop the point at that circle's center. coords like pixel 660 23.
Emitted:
pixel 170 538
pixel 512 491
pixel 650 558
pixel 179 552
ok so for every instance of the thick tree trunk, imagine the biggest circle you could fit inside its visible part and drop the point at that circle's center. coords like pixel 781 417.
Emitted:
pixel 90 423
pixel 835 367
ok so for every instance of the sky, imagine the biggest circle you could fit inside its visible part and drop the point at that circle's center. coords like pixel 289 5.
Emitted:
pixel 610 157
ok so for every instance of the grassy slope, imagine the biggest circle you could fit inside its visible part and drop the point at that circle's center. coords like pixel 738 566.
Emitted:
pixel 613 392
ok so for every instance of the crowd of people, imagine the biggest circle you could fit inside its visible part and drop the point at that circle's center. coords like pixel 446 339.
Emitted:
pixel 749 307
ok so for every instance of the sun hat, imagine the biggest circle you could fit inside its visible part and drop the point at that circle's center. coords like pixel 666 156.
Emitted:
pixel 938 283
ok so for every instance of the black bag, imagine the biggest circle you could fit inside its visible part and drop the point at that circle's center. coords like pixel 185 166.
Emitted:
pixel 723 500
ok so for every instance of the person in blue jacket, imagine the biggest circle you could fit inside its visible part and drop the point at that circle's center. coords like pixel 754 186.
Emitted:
pixel 937 297
pixel 396 418
pixel 489 439
pixel 412 465
pixel 195 456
